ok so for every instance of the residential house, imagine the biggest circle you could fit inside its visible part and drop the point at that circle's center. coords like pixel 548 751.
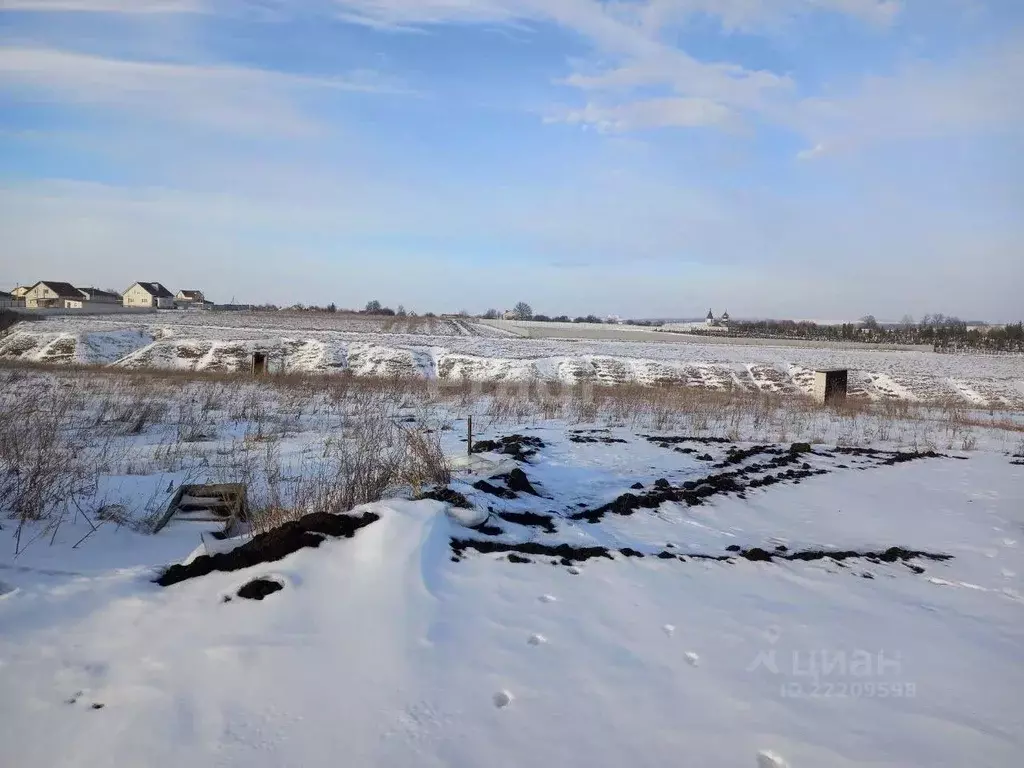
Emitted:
pixel 51 294
pixel 148 295
pixel 191 300
pixel 96 296
pixel 20 291
pixel 184 295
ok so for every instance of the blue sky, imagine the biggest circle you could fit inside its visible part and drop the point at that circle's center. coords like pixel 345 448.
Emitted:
pixel 792 158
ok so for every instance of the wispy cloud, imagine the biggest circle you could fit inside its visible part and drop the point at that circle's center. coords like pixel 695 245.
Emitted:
pixel 226 98
pixel 105 6
pixel 652 113
pixel 759 15
pixel 979 95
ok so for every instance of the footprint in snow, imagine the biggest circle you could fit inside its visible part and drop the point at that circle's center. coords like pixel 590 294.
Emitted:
pixel 692 659
pixel 502 699
pixel 537 640
pixel 574 570
pixel 548 598
pixel 766 759
pixel 669 629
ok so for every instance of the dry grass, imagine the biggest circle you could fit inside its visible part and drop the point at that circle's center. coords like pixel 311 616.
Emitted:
pixel 330 442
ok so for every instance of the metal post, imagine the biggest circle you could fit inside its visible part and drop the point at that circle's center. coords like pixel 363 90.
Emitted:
pixel 469 436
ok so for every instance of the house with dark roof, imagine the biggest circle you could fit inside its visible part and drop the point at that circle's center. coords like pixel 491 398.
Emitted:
pixel 148 295
pixel 96 296
pixel 191 299
pixel 53 294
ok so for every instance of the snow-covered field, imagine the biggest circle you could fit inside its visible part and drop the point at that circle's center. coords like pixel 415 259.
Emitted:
pixel 457 349
pixel 743 607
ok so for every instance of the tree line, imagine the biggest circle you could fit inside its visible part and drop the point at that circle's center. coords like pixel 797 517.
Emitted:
pixel 944 333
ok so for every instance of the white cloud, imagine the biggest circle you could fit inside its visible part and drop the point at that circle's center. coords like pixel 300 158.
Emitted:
pixel 980 95
pixel 104 6
pixel 652 113
pixel 411 13
pixel 227 98
pixel 753 15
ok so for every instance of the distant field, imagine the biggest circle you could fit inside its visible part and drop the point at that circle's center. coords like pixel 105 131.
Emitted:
pixel 322 321
pixel 450 348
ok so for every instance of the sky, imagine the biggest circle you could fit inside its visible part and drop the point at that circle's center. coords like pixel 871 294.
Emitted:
pixel 818 159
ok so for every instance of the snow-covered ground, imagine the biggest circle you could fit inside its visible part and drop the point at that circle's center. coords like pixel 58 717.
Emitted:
pixel 450 349
pixel 406 645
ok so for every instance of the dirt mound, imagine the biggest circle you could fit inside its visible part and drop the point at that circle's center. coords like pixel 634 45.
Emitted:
pixel 308 531
pixel 257 589
pixel 531 519
pixel 890 458
pixel 566 553
pixel 448 496
pixel 667 440
pixel 519 447
pixel 594 436
pixel 890 555
pixel 517 481
pixel 494 490
pixel 756 474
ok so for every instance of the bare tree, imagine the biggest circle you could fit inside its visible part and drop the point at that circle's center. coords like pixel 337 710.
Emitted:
pixel 523 311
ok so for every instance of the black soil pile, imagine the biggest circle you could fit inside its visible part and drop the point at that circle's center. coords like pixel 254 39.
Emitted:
pixel 594 436
pixel 494 490
pixel 448 496
pixel 739 455
pixel 519 447
pixel 890 555
pixel 257 589
pixel 517 481
pixel 695 492
pixel 668 440
pixel 565 553
pixel 308 531
pixel 890 458
pixel 531 519
pixel 777 468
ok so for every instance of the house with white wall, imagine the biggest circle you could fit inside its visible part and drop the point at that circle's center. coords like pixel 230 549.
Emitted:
pixel 183 296
pixel 191 299
pixel 52 294
pixel 96 296
pixel 148 295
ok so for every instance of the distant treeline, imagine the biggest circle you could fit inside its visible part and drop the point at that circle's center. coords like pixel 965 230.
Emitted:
pixel 944 334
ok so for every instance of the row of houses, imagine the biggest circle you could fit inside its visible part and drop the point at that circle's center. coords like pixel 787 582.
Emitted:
pixel 54 294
